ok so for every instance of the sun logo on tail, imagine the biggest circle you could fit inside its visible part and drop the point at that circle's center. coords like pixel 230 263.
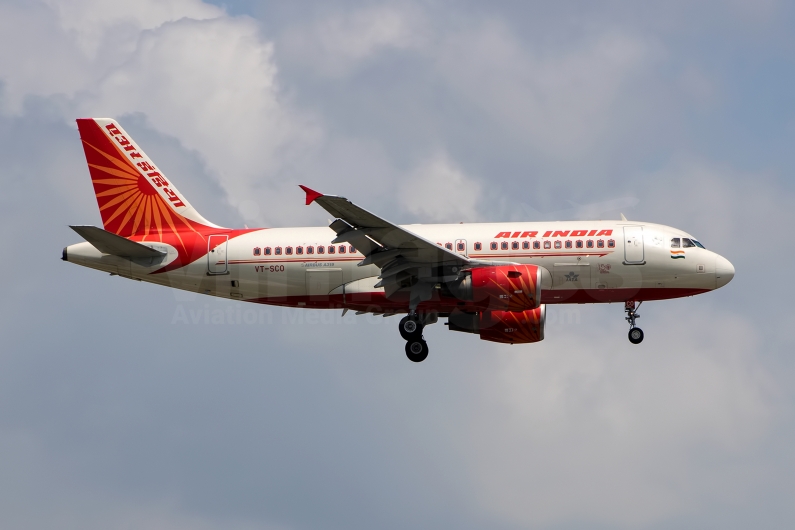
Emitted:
pixel 134 198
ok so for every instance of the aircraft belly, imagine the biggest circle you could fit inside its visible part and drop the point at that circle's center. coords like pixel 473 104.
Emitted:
pixel 602 296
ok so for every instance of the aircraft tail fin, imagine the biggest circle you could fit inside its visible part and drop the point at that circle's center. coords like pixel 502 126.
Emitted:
pixel 133 195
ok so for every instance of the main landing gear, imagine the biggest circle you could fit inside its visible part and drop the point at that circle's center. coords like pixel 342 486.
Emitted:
pixel 411 327
pixel 635 333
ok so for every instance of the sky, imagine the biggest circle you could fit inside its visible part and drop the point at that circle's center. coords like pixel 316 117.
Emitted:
pixel 127 405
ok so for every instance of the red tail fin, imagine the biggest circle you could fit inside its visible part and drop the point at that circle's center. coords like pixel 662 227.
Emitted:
pixel 134 197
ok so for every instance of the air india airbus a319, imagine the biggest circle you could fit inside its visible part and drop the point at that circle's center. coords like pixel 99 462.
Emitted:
pixel 490 279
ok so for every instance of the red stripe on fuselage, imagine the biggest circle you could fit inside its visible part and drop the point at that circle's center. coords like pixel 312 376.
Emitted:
pixel 376 302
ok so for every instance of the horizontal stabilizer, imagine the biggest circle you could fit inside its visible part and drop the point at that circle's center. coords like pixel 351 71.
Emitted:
pixel 109 243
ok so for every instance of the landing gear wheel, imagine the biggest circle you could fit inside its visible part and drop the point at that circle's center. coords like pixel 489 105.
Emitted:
pixel 410 328
pixel 417 350
pixel 635 334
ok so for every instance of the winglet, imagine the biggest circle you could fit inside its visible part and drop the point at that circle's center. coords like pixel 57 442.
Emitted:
pixel 311 194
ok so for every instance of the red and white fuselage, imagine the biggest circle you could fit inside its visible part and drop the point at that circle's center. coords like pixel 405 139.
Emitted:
pixel 488 278
pixel 234 264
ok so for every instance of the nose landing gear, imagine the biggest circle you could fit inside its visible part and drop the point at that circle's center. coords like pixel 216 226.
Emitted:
pixel 411 327
pixel 635 333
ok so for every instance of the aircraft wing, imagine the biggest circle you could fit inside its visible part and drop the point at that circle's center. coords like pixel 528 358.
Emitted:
pixel 407 260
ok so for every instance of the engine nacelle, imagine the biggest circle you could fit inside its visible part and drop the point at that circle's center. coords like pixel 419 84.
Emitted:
pixel 511 327
pixel 503 288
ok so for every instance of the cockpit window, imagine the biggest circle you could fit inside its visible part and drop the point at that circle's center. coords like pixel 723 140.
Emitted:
pixel 686 243
pixel 675 242
pixel 699 245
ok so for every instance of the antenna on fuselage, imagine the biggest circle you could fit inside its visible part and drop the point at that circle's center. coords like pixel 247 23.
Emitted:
pixel 623 218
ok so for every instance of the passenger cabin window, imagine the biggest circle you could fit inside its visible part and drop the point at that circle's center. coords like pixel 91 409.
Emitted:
pixel 600 243
pixel 536 245
pixel 686 243
pixel 557 244
pixel 611 243
pixel 478 246
pixel 547 244
pixel 299 250
pixel 278 251
pixel 321 249
pixel 288 250
pixel 342 249
pixel 257 251
pixel 568 244
pixel 310 250
pixel 448 246
pixel 331 249
pixel 675 242
pixel 267 251
pixel 515 245
pixel 579 243
pixel 589 243
pixel 493 245
pixel 504 245
pixel 351 249
pixel 526 245
pixel 460 247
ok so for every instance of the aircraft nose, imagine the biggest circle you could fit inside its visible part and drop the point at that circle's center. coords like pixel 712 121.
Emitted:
pixel 724 271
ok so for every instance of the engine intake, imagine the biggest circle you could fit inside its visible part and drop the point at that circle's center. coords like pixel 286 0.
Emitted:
pixel 511 327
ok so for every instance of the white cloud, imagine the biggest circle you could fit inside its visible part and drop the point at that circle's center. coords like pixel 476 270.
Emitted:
pixel 213 85
pixel 336 44
pixel 196 74
pixel 49 64
pixel 115 25
pixel 438 191
pixel 560 100
pixel 68 47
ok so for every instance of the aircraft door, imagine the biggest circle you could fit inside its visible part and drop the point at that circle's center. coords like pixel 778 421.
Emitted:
pixel 461 246
pixel 633 245
pixel 216 254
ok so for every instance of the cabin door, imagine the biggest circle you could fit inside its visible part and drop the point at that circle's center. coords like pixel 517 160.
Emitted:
pixel 633 244
pixel 216 254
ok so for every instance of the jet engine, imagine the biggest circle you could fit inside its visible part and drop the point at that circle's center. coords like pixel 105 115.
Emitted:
pixel 502 288
pixel 511 327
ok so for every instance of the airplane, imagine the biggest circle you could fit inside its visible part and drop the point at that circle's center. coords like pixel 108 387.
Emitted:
pixel 489 279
